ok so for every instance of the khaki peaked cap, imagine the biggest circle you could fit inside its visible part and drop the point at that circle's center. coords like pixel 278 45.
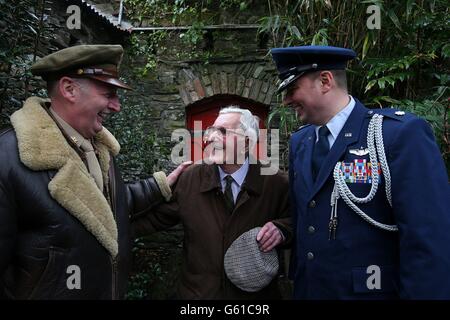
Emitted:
pixel 99 62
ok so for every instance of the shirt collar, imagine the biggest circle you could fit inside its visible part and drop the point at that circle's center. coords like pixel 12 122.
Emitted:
pixel 336 123
pixel 239 175
pixel 76 137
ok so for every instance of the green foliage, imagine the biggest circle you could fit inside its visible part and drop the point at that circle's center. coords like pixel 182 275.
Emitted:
pixel 137 286
pixel 150 46
pixel 287 119
pixel 194 14
pixel 284 118
pixel 231 4
pixel 405 64
pixel 195 34
pixel 383 72
pixel 141 150
pixel 25 29
pixel 156 264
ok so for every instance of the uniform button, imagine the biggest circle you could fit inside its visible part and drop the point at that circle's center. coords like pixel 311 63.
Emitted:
pixel 310 255
pixel 312 204
pixel 311 229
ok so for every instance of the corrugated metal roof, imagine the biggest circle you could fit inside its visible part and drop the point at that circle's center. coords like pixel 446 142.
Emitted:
pixel 108 17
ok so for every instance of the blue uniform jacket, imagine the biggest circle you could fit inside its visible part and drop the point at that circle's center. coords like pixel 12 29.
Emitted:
pixel 413 263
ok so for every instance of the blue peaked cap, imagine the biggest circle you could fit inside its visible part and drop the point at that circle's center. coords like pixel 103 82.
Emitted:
pixel 293 62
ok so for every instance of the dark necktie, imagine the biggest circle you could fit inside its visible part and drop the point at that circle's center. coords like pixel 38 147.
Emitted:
pixel 320 150
pixel 228 194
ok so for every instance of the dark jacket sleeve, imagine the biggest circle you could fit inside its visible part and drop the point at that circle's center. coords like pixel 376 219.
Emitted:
pixel 283 220
pixel 142 196
pixel 420 199
pixel 159 217
pixel 8 218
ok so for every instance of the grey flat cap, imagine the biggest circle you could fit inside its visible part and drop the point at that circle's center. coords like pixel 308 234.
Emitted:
pixel 247 267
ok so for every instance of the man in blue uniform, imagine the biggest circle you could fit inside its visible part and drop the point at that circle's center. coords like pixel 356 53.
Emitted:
pixel 369 189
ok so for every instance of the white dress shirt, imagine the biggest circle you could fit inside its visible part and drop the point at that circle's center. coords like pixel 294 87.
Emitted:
pixel 336 123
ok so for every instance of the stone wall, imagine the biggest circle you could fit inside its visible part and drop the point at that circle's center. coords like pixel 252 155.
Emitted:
pixel 243 69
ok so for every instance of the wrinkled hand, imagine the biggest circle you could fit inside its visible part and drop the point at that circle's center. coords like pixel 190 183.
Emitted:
pixel 173 176
pixel 269 237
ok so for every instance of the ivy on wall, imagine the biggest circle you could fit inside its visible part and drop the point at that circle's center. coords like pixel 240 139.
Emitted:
pixel 25 30
pixel 141 149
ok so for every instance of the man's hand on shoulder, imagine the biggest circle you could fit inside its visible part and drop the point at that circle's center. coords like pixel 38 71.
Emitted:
pixel 173 176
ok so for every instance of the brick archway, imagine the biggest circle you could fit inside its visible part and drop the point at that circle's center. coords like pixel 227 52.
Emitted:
pixel 254 81
pixel 205 90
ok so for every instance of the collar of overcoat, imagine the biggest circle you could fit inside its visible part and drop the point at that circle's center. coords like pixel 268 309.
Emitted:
pixel 43 147
pixel 252 182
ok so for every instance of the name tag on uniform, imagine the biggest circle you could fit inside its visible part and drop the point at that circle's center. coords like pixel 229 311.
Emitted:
pixel 358 171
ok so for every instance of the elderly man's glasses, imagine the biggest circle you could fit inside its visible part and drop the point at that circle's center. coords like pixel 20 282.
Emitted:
pixel 222 131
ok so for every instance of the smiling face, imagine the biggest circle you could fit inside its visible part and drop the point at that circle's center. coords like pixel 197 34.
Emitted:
pixel 226 140
pixel 94 101
pixel 304 96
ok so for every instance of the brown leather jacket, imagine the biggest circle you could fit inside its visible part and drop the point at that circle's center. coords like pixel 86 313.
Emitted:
pixel 199 205
pixel 60 237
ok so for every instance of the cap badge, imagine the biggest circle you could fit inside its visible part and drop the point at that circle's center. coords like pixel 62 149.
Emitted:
pixel 287 80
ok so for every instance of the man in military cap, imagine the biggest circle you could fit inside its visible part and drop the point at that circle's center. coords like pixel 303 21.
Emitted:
pixel 369 189
pixel 64 209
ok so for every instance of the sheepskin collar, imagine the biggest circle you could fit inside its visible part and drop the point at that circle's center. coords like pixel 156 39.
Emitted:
pixel 43 147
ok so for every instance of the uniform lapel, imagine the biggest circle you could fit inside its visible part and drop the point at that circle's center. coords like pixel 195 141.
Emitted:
pixel 304 157
pixel 348 135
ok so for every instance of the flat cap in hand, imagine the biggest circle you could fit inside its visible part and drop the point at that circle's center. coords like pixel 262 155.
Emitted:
pixel 247 267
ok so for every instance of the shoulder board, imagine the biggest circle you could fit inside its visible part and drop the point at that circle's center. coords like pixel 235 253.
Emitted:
pixel 391 113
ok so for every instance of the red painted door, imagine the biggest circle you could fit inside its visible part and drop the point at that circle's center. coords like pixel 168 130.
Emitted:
pixel 207 110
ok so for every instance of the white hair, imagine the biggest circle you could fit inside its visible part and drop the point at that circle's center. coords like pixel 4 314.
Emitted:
pixel 249 122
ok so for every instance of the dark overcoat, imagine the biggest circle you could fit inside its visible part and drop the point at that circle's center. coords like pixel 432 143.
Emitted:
pixel 199 205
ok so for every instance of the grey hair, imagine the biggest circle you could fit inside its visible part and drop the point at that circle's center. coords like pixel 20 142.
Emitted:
pixel 249 122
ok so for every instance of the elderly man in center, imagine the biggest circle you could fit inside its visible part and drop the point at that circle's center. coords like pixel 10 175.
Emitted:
pixel 219 200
